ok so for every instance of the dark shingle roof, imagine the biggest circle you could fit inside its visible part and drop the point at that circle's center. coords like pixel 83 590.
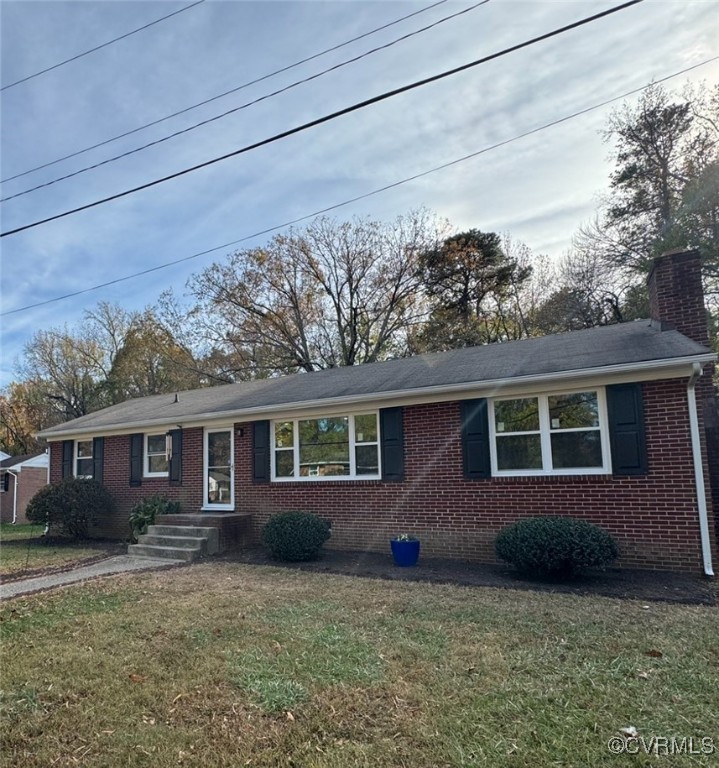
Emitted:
pixel 12 461
pixel 638 342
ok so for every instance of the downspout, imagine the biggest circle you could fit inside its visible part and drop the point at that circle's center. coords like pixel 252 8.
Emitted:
pixel 47 451
pixel 14 494
pixel 699 470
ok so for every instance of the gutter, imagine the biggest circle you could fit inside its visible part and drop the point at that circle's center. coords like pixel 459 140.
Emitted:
pixel 699 470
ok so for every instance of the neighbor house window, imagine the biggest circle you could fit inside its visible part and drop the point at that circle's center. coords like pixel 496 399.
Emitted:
pixel 5 485
pixel 561 433
pixel 156 455
pixel 344 446
pixel 83 458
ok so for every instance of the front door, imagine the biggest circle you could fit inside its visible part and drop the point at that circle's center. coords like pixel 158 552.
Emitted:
pixel 219 469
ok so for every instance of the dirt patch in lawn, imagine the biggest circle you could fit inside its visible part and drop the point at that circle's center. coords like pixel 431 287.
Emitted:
pixel 622 583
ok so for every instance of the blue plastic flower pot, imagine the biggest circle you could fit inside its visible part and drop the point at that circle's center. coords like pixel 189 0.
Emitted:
pixel 405 553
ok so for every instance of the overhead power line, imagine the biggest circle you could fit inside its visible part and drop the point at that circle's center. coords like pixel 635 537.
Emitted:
pixel 232 111
pixel 226 93
pixel 99 47
pixel 363 196
pixel 326 118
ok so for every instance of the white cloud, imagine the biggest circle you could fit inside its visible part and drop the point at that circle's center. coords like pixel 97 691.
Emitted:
pixel 539 189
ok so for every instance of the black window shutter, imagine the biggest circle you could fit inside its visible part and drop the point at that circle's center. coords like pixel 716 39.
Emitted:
pixel 475 439
pixel 98 458
pixel 261 451
pixel 391 426
pixel 68 452
pixel 137 442
pixel 175 470
pixel 626 429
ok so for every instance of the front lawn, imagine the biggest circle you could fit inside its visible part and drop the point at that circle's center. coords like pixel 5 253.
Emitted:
pixel 230 665
pixel 10 532
pixel 24 551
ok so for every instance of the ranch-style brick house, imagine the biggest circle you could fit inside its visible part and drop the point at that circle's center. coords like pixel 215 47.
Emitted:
pixel 606 424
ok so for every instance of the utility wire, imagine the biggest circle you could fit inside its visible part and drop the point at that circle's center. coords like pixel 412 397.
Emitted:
pixel 377 191
pixel 242 106
pixel 99 47
pixel 326 118
pixel 226 93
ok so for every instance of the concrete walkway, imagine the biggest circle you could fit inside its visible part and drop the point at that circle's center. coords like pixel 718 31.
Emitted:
pixel 113 565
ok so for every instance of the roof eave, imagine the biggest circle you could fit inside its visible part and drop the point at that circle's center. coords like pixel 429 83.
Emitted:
pixel 671 368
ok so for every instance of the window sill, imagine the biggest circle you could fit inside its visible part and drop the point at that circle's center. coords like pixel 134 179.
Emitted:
pixel 566 473
pixel 218 508
pixel 338 479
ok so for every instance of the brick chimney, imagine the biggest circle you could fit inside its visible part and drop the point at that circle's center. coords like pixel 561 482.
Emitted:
pixel 676 296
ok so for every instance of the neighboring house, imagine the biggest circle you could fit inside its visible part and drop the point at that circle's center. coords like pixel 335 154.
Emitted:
pixel 601 424
pixel 21 477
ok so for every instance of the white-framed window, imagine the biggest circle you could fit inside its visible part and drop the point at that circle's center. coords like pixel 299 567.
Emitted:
pixel 219 450
pixel 156 464
pixel 563 433
pixel 344 446
pixel 83 459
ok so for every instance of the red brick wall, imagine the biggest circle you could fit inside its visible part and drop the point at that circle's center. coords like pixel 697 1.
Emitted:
pixel 654 517
pixel 32 480
pixel 116 472
pixel 6 501
pixel 676 295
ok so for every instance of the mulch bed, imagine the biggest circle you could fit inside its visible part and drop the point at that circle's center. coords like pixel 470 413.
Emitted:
pixel 620 583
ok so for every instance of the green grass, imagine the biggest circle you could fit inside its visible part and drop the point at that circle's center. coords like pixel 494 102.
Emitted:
pixel 305 654
pixel 224 664
pixel 22 549
pixel 10 532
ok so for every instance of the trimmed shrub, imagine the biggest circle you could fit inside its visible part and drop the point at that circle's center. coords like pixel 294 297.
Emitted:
pixel 145 512
pixel 555 546
pixel 294 536
pixel 71 506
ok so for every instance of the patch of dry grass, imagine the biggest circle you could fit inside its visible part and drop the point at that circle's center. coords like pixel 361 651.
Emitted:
pixel 227 664
pixel 24 550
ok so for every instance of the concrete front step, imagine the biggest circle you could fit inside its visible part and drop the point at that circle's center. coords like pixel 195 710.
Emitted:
pixel 177 542
pixel 166 553
pixel 185 542
pixel 209 533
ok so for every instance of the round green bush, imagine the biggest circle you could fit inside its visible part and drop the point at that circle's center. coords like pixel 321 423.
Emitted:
pixel 71 506
pixel 295 536
pixel 555 546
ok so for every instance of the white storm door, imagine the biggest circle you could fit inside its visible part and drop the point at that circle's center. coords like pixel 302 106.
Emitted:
pixel 219 475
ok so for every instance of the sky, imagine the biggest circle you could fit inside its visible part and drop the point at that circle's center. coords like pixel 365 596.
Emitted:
pixel 539 189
